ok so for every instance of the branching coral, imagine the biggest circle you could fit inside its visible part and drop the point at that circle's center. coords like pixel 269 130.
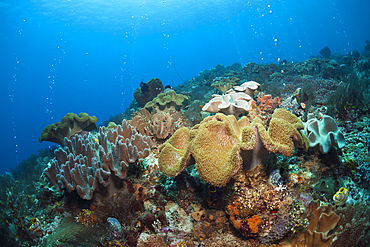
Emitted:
pixel 267 103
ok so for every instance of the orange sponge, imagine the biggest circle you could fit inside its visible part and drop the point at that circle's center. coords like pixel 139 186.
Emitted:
pixel 253 223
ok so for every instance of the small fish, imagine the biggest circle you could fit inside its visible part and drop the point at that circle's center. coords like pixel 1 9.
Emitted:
pixel 144 87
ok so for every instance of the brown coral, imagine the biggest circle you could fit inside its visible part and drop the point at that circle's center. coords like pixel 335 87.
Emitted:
pixel 322 221
pixel 160 124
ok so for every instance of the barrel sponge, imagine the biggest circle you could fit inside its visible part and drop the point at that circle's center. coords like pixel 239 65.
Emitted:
pixel 283 133
pixel 323 133
pixel 175 153
pixel 216 150
pixel 70 124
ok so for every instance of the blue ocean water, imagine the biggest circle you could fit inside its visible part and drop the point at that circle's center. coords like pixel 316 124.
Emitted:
pixel 89 56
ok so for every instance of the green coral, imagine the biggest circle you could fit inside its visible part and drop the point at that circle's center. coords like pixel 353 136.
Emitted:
pixel 169 100
pixel 70 124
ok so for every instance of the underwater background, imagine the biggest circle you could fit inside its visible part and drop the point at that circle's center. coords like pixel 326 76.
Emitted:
pixel 73 56
pixel 296 74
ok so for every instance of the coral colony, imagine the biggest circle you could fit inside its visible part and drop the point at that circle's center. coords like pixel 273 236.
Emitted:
pixel 253 155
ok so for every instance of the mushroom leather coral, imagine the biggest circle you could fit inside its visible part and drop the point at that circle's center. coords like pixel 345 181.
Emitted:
pixel 323 133
pixel 175 153
pixel 222 146
pixel 70 124
pixel 322 221
pixel 231 103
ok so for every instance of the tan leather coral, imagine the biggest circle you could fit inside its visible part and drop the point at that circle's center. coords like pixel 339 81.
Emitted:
pixel 222 146
pixel 216 149
pixel 175 153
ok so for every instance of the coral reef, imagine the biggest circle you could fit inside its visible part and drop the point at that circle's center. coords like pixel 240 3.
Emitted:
pixel 229 182
pixel 70 125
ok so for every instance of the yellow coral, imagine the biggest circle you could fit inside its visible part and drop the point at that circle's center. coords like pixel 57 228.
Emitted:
pixel 283 133
pixel 216 150
pixel 175 153
pixel 220 145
